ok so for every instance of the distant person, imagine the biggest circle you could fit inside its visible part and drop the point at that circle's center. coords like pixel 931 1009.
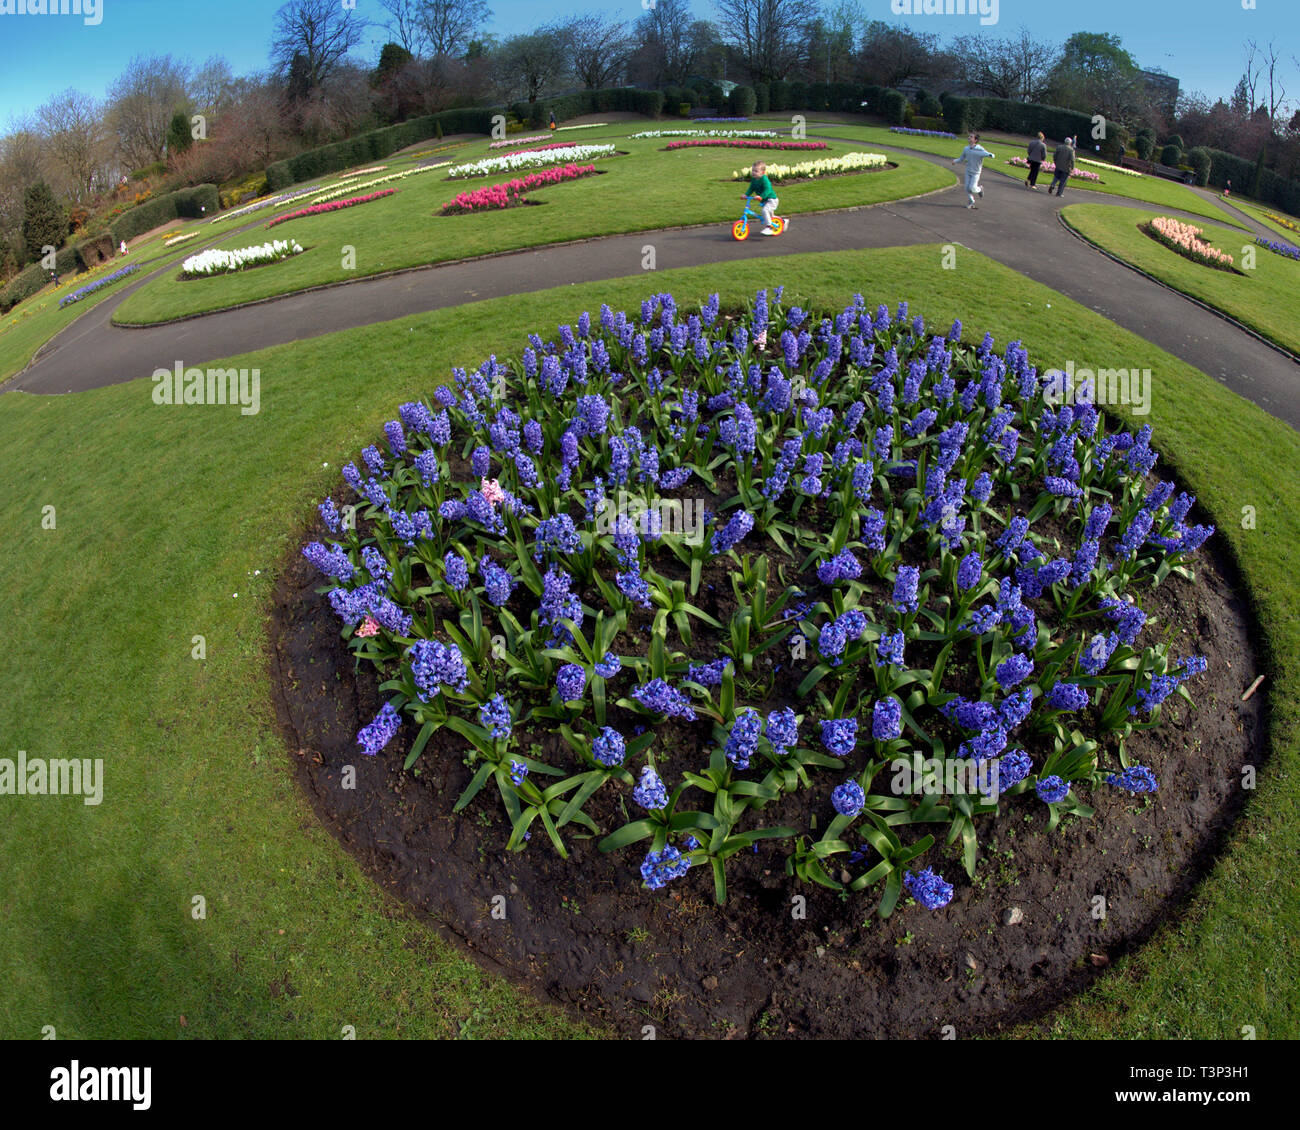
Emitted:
pixel 973 155
pixel 1227 188
pixel 1037 155
pixel 1063 159
pixel 761 186
pixel 122 250
pixel 552 119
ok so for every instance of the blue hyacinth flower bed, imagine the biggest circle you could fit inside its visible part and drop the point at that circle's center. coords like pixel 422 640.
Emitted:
pixel 98 284
pixel 667 571
pixel 922 132
pixel 1279 248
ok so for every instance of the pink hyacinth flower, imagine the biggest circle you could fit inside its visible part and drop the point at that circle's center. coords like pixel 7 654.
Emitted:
pixel 492 491
pixel 369 627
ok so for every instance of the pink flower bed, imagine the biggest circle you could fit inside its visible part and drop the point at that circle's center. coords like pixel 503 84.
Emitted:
pixel 543 148
pixel 330 206
pixel 726 143
pixel 1050 167
pixel 512 192
pixel 1186 240
pixel 511 142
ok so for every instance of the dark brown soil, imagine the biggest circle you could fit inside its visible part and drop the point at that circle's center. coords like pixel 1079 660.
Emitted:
pixel 586 934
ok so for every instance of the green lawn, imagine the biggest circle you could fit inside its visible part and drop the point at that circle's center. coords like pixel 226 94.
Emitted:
pixel 1259 212
pixel 1152 190
pixel 1267 298
pixel 163 516
pixel 645 190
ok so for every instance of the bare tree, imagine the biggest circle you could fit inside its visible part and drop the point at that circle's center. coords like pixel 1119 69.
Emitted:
pixel 20 168
pixel 531 64
pixel 212 86
pixel 311 39
pixel 767 34
pixel 72 125
pixel 449 25
pixel 888 54
pixel 672 40
pixel 404 25
pixel 1269 68
pixel 142 100
pixel 599 49
pixel 1016 68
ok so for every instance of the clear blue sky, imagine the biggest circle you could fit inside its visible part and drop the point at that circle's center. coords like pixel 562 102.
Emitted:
pixel 1200 41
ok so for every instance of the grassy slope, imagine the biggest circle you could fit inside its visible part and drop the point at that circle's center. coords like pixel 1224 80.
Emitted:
pixel 1153 190
pixel 1261 214
pixel 164 514
pixel 1264 298
pixel 647 189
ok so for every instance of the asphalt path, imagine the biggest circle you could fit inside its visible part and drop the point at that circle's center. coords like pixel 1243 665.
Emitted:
pixel 1013 225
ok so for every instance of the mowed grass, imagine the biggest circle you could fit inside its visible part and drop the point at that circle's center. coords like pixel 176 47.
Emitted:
pixel 1151 190
pixel 649 188
pixel 1260 213
pixel 1266 298
pixel 164 514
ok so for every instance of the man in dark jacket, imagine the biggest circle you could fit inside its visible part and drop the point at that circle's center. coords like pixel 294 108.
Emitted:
pixel 1063 158
pixel 1037 155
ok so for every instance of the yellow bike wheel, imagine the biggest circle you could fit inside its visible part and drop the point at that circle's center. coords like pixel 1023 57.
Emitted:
pixel 740 230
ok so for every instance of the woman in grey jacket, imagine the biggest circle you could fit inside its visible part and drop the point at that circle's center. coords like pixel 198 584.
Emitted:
pixel 1037 155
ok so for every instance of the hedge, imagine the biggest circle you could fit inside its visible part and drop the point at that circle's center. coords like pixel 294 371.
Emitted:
pixel 966 114
pixel 1200 160
pixel 1273 189
pixel 184 203
pixel 34 277
pixel 743 101
pixel 609 99
pixel 375 145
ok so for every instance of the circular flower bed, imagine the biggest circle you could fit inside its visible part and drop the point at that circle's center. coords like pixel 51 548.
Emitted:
pixel 664 572
pixel 216 262
pixel 1187 242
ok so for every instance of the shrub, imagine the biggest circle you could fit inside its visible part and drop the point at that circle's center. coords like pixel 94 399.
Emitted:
pixel 1144 145
pixel 1199 157
pixel 763 97
pixel 184 203
pixel 780 91
pixel 1171 155
pixel 967 114
pixel 744 101
pixel 684 109
pixel 894 108
pixel 1175 140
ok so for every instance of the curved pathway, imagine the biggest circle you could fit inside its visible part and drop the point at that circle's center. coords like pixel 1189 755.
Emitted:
pixel 1016 227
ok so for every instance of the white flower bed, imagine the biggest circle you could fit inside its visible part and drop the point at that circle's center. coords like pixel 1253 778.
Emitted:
pixel 704 133
pixel 214 262
pixel 180 238
pixel 511 162
pixel 265 202
pixel 826 166
pixel 589 125
pixel 333 192
pixel 1108 167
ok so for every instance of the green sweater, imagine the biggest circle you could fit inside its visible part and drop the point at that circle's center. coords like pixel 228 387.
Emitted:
pixel 761 187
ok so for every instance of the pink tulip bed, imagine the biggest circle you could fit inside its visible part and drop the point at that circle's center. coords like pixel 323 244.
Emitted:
pixel 1050 167
pixel 1185 239
pixel 725 143
pixel 511 142
pixel 331 206
pixel 512 192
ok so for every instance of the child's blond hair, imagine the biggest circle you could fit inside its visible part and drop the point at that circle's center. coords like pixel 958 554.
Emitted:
pixel 760 168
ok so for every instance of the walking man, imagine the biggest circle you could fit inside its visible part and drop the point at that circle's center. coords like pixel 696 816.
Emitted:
pixel 1063 158
pixel 1037 155
pixel 973 155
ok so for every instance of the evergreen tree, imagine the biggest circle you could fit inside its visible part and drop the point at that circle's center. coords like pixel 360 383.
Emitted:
pixel 44 222
pixel 179 137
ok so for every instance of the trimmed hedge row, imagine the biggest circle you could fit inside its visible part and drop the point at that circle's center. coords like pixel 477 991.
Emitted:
pixel 375 145
pixel 626 99
pixel 966 114
pixel 185 203
pixel 1271 189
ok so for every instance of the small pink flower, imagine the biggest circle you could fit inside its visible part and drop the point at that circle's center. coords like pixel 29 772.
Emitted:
pixel 492 491
pixel 760 339
pixel 369 627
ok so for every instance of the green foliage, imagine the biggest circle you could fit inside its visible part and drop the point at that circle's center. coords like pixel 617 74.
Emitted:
pixel 184 203
pixel 1145 144
pixel 894 107
pixel 1201 161
pixel 763 95
pixel 179 137
pixel 744 101
pixel 927 105
pixel 967 114
pixel 1175 140
pixel 1171 155
pixel 45 223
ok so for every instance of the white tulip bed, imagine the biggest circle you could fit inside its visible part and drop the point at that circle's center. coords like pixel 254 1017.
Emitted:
pixel 511 162
pixel 213 262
